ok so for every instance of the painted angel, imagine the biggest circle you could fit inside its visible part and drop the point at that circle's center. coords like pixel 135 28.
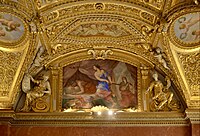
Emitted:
pixel 10 24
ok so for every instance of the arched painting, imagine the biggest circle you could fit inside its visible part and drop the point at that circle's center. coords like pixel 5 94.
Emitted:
pixel 11 28
pixel 107 83
pixel 187 28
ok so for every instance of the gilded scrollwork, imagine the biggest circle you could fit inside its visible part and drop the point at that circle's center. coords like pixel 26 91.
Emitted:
pixel 54 29
pixel 148 16
pixel 191 64
pixel 100 54
pixel 184 46
pixel 123 10
pixel 8 66
pixel 99 6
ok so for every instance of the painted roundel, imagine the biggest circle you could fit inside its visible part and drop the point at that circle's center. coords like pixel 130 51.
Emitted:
pixel 187 28
pixel 11 28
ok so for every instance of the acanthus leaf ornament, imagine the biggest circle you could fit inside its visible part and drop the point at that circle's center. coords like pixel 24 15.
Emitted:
pixel 100 54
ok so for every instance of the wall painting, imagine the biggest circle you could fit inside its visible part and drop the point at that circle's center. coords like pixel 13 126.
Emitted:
pixel 11 28
pixel 187 28
pixel 107 83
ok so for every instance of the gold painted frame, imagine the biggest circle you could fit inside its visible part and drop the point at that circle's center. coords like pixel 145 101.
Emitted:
pixel 56 67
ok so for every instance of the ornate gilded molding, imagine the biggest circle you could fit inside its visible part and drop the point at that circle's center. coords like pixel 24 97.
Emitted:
pixel 59 13
pixel 93 29
pixel 193 115
pixel 99 54
pixel 21 63
pixel 88 119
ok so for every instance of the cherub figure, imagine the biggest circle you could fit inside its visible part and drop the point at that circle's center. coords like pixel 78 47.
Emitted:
pixel 9 24
pixel 189 23
pixel 196 33
pixel 160 56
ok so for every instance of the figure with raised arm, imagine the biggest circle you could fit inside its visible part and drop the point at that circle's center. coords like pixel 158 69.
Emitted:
pixel 103 90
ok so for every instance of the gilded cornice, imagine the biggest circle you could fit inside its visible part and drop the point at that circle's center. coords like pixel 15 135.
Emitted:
pixel 136 3
pixel 90 119
pixel 193 115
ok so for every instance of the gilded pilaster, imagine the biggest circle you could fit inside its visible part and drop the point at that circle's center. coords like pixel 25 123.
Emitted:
pixel 145 73
pixel 54 83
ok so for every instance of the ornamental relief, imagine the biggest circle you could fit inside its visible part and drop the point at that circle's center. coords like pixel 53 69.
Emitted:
pixel 53 30
pixel 14 44
pixel 97 8
pixel 37 93
pixel 158 4
pixel 99 29
pixel 9 63
pixel 191 64
pixel 155 3
pixel 184 44
pixel 95 30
